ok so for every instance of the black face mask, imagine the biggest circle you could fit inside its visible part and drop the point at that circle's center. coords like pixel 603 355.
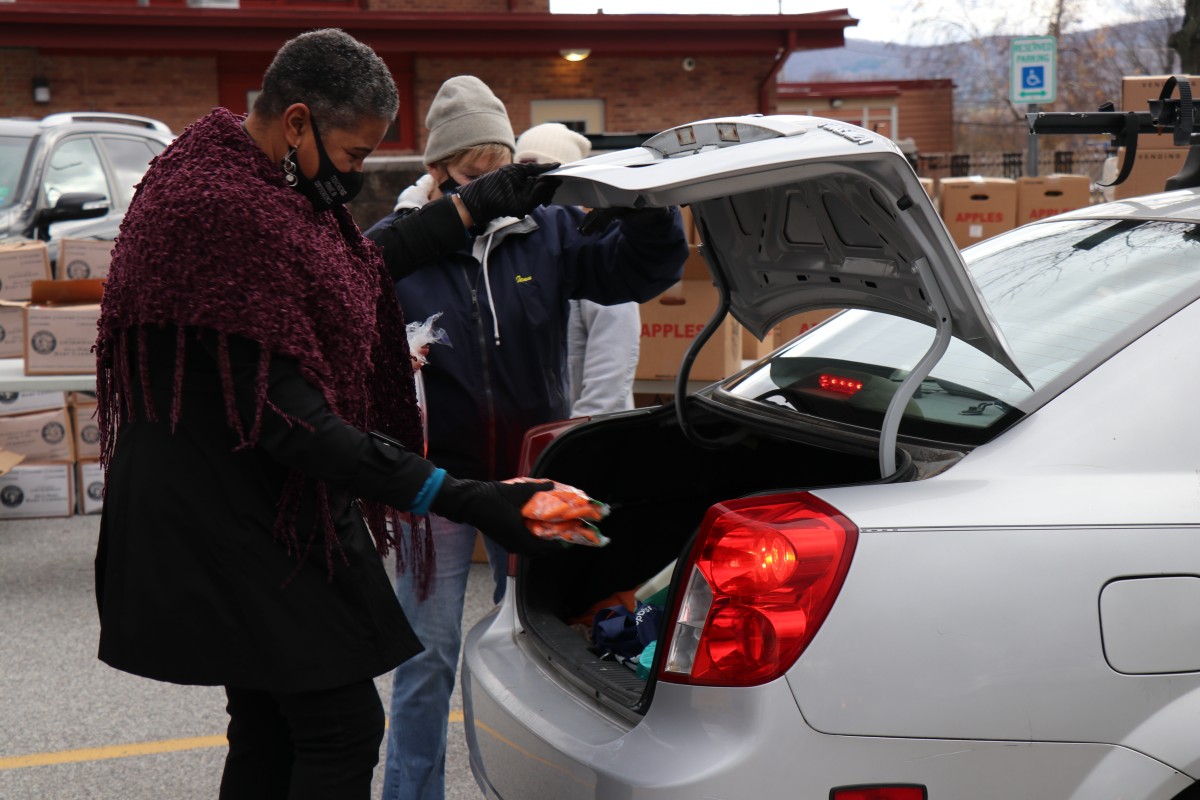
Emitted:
pixel 330 187
pixel 449 185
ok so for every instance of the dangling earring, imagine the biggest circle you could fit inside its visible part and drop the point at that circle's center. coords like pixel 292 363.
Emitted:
pixel 289 168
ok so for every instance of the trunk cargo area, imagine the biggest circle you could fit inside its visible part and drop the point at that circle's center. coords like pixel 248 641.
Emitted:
pixel 659 485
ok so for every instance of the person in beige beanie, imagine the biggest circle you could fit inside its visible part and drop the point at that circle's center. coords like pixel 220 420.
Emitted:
pixel 463 115
pixel 602 341
pixel 552 142
pixel 504 303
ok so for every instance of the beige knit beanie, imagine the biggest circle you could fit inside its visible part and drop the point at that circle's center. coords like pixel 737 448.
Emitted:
pixel 552 142
pixel 465 113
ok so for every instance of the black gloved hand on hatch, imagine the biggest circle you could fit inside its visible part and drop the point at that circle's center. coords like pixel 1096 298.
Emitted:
pixel 598 219
pixel 511 191
pixel 495 509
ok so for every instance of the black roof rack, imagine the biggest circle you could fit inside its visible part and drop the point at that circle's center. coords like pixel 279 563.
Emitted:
pixel 1166 115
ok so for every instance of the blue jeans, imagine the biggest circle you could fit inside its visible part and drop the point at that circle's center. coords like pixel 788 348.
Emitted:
pixel 421 687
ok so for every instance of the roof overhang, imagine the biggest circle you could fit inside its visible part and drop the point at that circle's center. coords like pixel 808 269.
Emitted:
pixel 800 91
pixel 176 30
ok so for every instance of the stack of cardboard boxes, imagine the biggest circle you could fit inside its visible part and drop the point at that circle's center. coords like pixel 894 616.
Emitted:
pixel 49 440
pixel 975 208
pixel 49 455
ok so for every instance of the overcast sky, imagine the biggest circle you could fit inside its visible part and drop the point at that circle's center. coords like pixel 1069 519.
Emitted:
pixel 879 20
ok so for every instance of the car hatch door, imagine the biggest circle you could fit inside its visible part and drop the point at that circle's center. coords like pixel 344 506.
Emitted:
pixel 799 213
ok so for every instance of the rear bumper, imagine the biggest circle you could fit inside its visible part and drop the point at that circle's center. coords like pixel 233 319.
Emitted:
pixel 534 737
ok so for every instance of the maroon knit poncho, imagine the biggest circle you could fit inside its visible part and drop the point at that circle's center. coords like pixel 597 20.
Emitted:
pixel 215 239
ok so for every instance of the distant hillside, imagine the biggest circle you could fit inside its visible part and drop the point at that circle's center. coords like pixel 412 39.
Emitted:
pixel 858 60
pixel 1090 63
pixel 1129 49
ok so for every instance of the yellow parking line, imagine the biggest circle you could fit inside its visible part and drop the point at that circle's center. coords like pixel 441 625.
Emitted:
pixel 127 750
pixel 113 751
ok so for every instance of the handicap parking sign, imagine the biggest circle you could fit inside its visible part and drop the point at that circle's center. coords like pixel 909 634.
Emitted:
pixel 1033 77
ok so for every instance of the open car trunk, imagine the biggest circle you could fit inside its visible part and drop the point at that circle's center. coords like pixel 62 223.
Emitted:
pixel 659 484
pixel 795 213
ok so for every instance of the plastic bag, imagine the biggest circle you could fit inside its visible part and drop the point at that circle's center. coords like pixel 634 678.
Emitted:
pixel 564 513
pixel 423 334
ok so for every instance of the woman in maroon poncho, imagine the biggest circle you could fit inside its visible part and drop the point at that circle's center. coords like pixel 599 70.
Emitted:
pixel 257 412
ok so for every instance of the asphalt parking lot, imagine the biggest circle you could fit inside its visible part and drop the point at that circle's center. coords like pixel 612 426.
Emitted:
pixel 72 727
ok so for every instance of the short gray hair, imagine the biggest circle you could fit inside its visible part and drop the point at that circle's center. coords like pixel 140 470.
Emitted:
pixel 340 79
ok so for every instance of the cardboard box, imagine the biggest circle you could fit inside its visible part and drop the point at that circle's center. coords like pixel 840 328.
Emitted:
pixel 42 436
pixel 753 349
pixel 479 554
pixel 22 263
pixel 797 324
pixel 976 208
pixel 83 258
pixel 927 185
pixel 1041 197
pixel 29 402
pixel 695 268
pixel 86 431
pixel 1137 91
pixel 60 327
pixel 12 328
pixel 1151 168
pixel 669 324
pixel 31 489
pixel 89 487
pixel 689 225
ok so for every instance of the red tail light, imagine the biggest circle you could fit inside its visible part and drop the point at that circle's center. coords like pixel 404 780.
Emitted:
pixel 897 792
pixel 840 384
pixel 764 574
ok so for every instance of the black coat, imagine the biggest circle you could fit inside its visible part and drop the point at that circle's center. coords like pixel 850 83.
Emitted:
pixel 191 584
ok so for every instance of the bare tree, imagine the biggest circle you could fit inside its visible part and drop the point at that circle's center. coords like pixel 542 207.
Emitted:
pixel 1186 40
pixel 1091 61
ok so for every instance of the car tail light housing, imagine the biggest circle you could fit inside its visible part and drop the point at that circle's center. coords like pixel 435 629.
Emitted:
pixel 885 792
pixel 840 384
pixel 539 437
pixel 764 572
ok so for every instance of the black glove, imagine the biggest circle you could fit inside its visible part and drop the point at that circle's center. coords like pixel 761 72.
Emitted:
pixel 598 219
pixel 511 191
pixel 494 508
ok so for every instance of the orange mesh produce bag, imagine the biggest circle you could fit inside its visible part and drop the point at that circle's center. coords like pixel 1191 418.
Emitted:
pixel 564 513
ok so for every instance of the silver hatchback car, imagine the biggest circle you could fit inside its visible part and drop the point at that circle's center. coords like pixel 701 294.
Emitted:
pixel 945 545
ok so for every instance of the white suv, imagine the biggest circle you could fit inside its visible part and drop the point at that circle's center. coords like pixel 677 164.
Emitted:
pixel 72 175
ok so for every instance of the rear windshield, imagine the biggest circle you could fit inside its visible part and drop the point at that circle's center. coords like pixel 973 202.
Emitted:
pixel 1065 295
pixel 13 152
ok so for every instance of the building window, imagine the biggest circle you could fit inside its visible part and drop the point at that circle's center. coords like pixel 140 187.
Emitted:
pixel 581 116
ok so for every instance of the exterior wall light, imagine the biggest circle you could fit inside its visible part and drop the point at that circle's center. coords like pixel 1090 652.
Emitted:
pixel 41 89
pixel 575 54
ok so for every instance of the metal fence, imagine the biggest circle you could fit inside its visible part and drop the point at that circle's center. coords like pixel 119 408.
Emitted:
pixel 1010 165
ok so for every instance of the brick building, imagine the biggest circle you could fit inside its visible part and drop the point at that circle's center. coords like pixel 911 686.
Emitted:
pixel 176 59
pixel 921 110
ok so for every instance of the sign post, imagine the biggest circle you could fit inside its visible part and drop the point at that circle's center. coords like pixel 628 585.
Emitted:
pixel 1033 79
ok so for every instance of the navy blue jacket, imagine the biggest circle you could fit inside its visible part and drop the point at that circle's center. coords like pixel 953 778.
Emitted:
pixel 506 371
